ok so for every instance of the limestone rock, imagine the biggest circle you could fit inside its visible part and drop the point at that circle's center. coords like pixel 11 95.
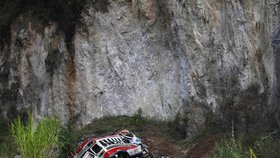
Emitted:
pixel 149 8
pixel 182 51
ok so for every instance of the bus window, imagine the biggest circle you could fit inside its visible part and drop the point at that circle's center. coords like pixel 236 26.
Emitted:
pixel 96 148
pixel 103 143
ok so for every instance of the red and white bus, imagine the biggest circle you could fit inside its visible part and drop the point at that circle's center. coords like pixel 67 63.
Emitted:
pixel 123 144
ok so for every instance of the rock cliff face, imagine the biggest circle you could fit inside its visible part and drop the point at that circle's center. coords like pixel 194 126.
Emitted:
pixel 170 58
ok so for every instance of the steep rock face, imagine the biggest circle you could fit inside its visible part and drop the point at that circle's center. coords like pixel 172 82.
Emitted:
pixel 34 69
pixel 170 58
pixel 126 63
pixel 228 50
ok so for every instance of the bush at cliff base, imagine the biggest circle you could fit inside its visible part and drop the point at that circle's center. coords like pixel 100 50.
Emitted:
pixel 39 140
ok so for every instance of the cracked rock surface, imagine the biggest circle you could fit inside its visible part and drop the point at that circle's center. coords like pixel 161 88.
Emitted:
pixel 169 58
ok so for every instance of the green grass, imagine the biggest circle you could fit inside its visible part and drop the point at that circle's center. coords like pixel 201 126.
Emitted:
pixel 39 140
pixel 136 124
pixel 262 146
pixel 70 138
pixel 46 137
pixel 229 148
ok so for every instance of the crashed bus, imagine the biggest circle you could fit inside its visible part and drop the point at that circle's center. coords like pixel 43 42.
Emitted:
pixel 122 144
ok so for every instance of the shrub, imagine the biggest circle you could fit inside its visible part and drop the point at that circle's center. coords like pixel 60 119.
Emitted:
pixel 36 140
pixel 229 149
pixel 137 119
pixel 70 138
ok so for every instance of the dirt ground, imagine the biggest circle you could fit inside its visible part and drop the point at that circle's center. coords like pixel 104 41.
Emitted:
pixel 164 147
pixel 202 148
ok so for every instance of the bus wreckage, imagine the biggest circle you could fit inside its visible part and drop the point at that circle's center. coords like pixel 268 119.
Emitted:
pixel 122 144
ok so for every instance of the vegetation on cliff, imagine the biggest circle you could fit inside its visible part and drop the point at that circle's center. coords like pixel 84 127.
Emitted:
pixel 47 137
pixel 39 140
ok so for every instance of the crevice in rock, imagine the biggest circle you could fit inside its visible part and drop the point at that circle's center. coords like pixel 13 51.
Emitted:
pixel 71 83
pixel 53 61
pixel 9 91
pixel 67 14
pixel 101 5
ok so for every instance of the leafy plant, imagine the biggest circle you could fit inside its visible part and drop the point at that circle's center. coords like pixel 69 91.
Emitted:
pixel 229 149
pixel 137 118
pixel 69 137
pixel 36 140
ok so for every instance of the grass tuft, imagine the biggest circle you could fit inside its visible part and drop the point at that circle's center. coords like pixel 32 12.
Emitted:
pixel 230 148
pixel 36 140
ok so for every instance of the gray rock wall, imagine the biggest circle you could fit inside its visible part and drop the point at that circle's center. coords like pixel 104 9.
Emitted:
pixel 169 58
